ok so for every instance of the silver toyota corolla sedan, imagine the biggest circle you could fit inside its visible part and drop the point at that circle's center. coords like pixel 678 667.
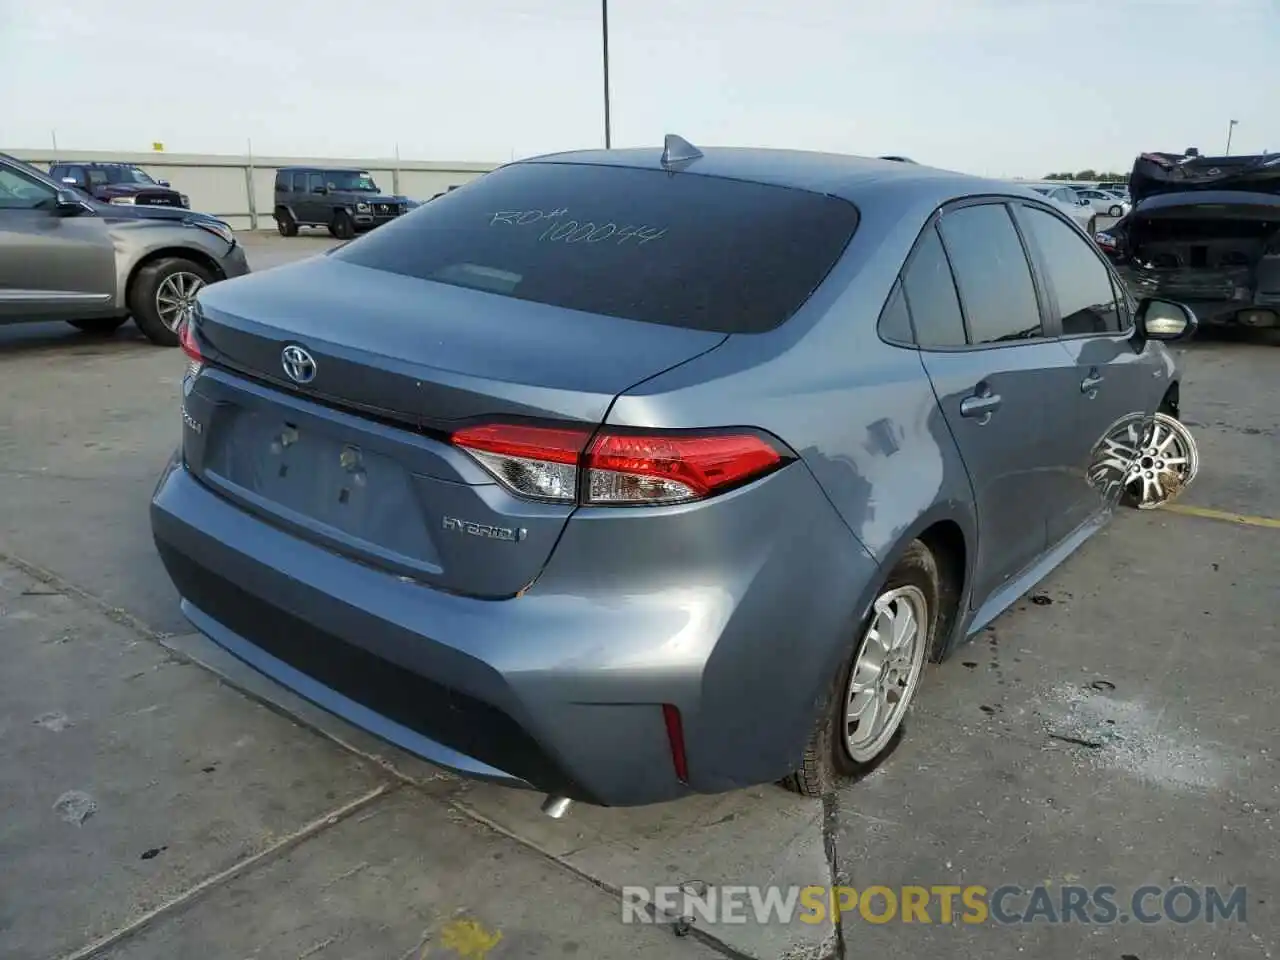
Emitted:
pixel 66 256
pixel 626 475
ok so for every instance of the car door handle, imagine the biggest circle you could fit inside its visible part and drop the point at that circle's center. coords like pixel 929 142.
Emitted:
pixel 980 405
pixel 1091 382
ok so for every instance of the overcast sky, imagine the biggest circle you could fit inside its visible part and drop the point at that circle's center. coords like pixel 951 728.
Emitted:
pixel 1001 87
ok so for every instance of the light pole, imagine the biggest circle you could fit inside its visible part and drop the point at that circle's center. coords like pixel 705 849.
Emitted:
pixel 604 31
pixel 1231 126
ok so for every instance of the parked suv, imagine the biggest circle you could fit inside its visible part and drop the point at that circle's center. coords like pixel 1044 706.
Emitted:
pixel 343 199
pixel 119 183
pixel 631 474
pixel 66 256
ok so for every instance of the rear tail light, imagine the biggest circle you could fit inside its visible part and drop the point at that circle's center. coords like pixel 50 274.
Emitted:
pixel 195 360
pixel 571 464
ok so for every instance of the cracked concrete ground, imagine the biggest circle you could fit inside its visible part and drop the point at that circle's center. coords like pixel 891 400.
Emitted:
pixel 161 800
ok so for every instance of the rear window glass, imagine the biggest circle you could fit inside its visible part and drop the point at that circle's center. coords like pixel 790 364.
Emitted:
pixel 676 249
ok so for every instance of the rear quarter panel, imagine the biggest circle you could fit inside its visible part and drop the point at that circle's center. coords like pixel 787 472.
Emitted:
pixel 860 412
pixel 863 417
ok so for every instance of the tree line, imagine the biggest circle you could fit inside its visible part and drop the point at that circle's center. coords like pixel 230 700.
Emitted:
pixel 1102 176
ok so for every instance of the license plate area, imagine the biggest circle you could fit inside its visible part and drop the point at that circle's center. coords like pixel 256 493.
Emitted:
pixel 333 482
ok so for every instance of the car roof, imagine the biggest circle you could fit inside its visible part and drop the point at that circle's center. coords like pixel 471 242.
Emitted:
pixel 91 163
pixel 848 177
pixel 27 168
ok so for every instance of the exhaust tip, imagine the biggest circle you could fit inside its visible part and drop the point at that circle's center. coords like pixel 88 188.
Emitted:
pixel 556 807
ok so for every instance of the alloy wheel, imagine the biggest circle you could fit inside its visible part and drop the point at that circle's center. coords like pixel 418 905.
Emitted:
pixel 886 672
pixel 1166 464
pixel 176 298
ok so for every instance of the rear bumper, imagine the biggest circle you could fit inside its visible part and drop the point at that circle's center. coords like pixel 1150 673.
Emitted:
pixel 555 690
pixel 367 221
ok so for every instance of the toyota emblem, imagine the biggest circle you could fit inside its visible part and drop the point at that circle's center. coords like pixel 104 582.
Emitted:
pixel 298 364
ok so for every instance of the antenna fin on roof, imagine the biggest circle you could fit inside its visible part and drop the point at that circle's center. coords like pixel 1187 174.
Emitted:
pixel 678 150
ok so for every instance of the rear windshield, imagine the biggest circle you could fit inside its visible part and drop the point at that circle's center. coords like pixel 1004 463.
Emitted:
pixel 677 249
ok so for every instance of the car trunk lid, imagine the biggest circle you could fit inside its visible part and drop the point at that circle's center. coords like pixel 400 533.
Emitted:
pixel 357 457
pixel 1215 245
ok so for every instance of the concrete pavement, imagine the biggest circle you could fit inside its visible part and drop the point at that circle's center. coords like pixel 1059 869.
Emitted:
pixel 1117 734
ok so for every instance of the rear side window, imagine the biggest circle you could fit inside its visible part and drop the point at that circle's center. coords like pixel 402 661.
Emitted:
pixel 1082 283
pixel 299 183
pixel 315 181
pixel 931 295
pixel 676 249
pixel 895 322
pixel 992 273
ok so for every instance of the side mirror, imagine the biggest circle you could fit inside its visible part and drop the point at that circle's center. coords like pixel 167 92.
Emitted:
pixel 162 183
pixel 68 203
pixel 71 181
pixel 1165 320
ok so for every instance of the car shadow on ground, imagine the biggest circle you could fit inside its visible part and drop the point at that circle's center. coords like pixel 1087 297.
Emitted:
pixel 28 338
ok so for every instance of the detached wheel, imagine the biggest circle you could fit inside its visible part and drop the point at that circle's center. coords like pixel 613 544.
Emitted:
pixel 344 228
pixel 875 685
pixel 285 223
pixel 1167 463
pixel 99 326
pixel 1115 211
pixel 163 295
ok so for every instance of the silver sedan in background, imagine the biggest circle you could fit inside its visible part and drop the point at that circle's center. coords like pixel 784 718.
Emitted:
pixel 1069 201
pixel 1104 202
pixel 66 256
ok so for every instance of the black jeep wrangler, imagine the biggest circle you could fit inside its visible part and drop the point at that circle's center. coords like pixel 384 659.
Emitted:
pixel 343 199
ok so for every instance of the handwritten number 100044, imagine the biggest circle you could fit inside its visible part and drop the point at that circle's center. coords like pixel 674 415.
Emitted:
pixel 555 226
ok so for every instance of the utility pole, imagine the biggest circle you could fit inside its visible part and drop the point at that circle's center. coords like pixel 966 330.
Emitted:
pixel 1231 125
pixel 604 29
pixel 250 189
pixel 54 135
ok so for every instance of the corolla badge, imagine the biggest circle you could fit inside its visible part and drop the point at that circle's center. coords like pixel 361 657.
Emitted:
pixel 299 365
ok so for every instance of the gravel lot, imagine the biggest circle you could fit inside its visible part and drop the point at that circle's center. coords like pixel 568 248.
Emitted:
pixel 161 801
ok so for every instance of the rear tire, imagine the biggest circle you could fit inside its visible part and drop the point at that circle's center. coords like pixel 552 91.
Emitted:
pixel 344 228
pixel 99 326
pixel 161 326
pixel 1115 211
pixel 285 223
pixel 829 757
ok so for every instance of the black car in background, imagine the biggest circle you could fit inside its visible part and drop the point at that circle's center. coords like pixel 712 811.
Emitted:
pixel 346 200
pixel 1205 230
pixel 124 184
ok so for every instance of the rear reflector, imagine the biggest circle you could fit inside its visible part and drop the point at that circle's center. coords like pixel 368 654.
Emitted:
pixel 675 738
pixel 566 464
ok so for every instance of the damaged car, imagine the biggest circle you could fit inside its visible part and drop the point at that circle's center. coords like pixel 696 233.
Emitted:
pixel 1206 232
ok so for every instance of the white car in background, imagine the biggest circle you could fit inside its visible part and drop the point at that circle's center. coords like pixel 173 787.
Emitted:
pixel 1071 203
pixel 1104 201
